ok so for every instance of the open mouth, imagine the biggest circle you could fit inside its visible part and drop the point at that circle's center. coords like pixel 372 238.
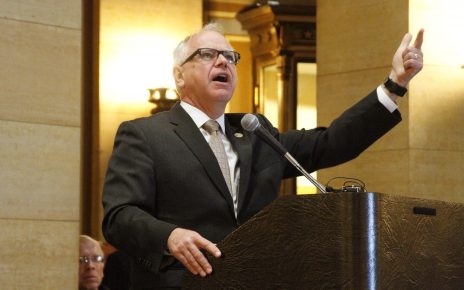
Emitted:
pixel 223 78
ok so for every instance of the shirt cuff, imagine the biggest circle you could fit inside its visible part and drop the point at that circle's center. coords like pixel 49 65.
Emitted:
pixel 385 100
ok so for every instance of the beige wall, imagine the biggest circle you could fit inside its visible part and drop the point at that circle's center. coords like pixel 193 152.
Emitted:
pixel 424 155
pixel 437 101
pixel 40 97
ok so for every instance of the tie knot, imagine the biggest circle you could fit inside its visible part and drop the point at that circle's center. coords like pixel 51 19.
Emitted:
pixel 211 126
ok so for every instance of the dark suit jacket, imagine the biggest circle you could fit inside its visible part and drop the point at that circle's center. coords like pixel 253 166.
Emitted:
pixel 162 175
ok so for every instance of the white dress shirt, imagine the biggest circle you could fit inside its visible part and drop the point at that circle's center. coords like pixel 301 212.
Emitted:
pixel 385 100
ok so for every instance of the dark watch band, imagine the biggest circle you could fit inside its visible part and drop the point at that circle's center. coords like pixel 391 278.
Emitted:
pixel 394 88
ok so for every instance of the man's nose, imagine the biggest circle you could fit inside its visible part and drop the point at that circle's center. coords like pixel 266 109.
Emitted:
pixel 221 60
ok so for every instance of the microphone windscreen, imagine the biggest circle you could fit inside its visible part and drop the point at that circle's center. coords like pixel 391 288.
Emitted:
pixel 250 122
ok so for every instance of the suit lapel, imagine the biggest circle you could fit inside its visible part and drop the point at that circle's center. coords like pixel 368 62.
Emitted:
pixel 240 140
pixel 188 132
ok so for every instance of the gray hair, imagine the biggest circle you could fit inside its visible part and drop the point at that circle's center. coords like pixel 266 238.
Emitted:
pixel 85 240
pixel 180 52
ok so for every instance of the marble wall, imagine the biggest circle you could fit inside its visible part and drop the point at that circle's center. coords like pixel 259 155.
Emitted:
pixel 40 123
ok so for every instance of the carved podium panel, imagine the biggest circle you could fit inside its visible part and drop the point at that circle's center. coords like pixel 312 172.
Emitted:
pixel 343 241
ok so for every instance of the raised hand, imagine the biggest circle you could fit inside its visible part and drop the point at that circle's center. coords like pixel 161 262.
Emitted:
pixel 408 60
pixel 185 246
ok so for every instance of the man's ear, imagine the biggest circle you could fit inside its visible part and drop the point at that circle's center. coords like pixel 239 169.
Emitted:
pixel 178 76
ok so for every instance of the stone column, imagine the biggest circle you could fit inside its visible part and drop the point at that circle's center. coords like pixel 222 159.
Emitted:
pixel 40 137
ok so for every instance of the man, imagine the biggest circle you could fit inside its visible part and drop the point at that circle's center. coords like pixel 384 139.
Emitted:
pixel 91 263
pixel 167 197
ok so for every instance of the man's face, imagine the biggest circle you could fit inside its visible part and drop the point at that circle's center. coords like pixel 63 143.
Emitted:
pixel 90 270
pixel 206 83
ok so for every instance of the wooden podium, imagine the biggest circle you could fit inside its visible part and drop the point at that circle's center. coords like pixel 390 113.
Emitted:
pixel 343 241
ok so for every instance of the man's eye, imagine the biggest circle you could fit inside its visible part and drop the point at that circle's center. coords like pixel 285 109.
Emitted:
pixel 207 55
pixel 229 57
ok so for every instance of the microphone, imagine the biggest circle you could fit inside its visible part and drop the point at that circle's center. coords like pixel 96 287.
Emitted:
pixel 251 123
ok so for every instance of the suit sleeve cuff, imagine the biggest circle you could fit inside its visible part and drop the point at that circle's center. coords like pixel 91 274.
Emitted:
pixel 386 101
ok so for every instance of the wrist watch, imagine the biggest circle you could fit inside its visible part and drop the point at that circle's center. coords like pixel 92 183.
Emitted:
pixel 394 88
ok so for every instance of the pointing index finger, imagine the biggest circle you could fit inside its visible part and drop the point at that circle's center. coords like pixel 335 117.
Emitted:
pixel 419 39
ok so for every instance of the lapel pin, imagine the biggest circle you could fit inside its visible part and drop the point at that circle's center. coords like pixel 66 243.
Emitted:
pixel 238 135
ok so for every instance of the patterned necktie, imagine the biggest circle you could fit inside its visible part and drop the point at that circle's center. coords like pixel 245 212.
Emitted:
pixel 212 127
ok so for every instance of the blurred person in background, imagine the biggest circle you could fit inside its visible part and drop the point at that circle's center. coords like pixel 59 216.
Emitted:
pixel 91 264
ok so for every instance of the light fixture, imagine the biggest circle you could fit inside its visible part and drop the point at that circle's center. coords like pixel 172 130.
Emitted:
pixel 162 98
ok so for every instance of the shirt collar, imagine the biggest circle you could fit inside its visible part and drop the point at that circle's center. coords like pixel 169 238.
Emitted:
pixel 199 117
